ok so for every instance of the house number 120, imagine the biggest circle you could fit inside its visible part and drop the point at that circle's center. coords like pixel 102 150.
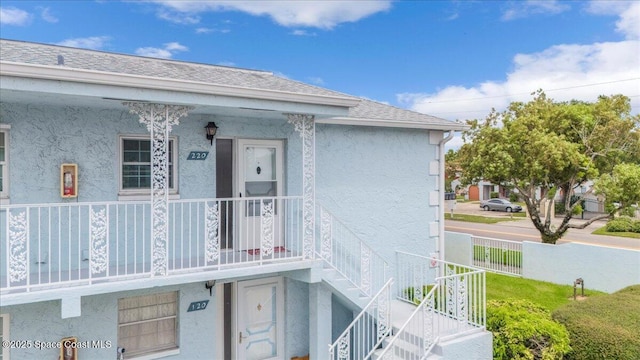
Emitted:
pixel 198 305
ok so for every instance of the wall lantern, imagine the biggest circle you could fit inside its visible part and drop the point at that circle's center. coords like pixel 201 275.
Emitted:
pixel 211 129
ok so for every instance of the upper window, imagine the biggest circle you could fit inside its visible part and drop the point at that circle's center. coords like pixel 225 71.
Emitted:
pixel 135 165
pixel 148 323
pixel 4 161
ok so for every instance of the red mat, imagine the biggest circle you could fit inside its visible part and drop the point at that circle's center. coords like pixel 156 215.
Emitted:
pixel 276 249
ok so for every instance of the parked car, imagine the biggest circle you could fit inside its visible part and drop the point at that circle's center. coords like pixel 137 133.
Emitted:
pixel 500 205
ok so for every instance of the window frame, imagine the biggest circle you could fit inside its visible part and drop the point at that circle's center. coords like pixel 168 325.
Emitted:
pixel 143 194
pixel 158 351
pixel 4 193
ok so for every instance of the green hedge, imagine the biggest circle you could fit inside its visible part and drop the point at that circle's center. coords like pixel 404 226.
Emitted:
pixel 524 330
pixel 604 327
pixel 623 224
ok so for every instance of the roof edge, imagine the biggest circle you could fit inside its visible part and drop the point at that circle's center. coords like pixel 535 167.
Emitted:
pixel 58 73
pixel 392 123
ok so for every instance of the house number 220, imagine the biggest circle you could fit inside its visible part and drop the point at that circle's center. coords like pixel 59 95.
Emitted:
pixel 198 305
pixel 198 155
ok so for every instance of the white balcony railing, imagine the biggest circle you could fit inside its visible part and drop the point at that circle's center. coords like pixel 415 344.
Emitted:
pixel 48 245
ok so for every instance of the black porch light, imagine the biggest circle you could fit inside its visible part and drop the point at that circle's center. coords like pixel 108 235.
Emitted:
pixel 211 129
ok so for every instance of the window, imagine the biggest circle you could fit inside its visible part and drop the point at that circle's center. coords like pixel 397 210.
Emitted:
pixel 148 324
pixel 4 161
pixel 135 165
pixel 4 336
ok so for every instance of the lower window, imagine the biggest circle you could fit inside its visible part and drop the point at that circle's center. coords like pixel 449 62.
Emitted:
pixel 148 323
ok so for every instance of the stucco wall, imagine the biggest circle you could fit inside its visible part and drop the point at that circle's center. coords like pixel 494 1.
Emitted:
pixel 99 321
pixel 297 318
pixel 602 268
pixel 458 248
pixel 44 137
pixel 377 182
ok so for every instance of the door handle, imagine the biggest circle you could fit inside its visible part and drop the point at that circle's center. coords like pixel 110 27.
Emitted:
pixel 241 337
pixel 240 194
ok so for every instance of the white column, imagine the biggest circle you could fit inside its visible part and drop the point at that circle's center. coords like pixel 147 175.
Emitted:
pixel 159 120
pixel 305 126
pixel 319 321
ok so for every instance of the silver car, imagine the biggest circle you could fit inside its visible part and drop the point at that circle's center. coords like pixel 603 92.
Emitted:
pixel 500 205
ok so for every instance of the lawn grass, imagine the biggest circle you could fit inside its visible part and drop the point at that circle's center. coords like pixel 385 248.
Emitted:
pixel 476 218
pixel 548 295
pixel 603 231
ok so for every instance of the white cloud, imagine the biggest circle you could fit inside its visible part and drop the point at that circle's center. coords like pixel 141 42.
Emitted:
pixel 629 22
pixel 316 80
pixel 299 32
pixel 93 42
pixel 564 72
pixel 522 9
pixel 204 30
pixel 14 16
pixel 47 16
pixel 165 52
pixel 318 14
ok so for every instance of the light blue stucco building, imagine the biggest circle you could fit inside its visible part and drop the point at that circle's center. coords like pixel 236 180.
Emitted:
pixel 124 226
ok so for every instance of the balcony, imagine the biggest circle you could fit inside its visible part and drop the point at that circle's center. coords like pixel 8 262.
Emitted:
pixel 50 246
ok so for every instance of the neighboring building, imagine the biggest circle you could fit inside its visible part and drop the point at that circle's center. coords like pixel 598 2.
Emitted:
pixel 483 189
pixel 123 225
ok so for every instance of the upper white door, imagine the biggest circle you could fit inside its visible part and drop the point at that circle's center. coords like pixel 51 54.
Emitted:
pixel 260 177
pixel 260 319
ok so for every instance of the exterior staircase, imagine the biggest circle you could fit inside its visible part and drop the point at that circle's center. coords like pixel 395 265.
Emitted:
pixel 412 316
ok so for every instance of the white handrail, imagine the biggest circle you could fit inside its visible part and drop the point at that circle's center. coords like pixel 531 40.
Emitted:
pixel 346 253
pixel 367 331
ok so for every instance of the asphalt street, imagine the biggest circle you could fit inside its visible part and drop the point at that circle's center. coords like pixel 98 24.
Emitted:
pixel 523 229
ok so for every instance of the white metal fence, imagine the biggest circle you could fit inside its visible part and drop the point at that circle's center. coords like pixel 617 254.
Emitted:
pixel 495 255
pixel 63 244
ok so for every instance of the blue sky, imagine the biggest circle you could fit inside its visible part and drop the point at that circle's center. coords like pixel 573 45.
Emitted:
pixel 452 59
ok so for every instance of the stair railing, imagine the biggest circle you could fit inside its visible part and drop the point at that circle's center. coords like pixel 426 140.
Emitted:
pixel 345 252
pixel 367 331
pixel 418 335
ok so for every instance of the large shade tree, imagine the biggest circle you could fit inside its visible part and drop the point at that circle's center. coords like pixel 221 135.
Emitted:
pixel 542 147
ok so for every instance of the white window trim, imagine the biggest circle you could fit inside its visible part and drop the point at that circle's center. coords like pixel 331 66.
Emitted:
pixel 145 194
pixel 4 194
pixel 160 353
pixel 6 319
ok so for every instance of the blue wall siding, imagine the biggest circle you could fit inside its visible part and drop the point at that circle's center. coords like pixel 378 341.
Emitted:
pixel 99 321
pixel 377 181
pixel 44 137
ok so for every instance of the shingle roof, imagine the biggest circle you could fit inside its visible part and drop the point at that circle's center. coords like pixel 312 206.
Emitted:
pixel 43 54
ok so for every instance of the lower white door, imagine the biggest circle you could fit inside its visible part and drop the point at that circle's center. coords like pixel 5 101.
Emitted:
pixel 260 317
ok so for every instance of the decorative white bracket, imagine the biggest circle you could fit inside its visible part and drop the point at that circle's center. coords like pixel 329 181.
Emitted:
pixel 305 125
pixel 159 119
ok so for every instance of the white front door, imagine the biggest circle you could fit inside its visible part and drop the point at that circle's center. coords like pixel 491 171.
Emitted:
pixel 259 182
pixel 260 319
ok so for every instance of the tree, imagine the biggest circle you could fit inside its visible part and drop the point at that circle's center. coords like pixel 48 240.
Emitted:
pixel 542 147
pixel 451 168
